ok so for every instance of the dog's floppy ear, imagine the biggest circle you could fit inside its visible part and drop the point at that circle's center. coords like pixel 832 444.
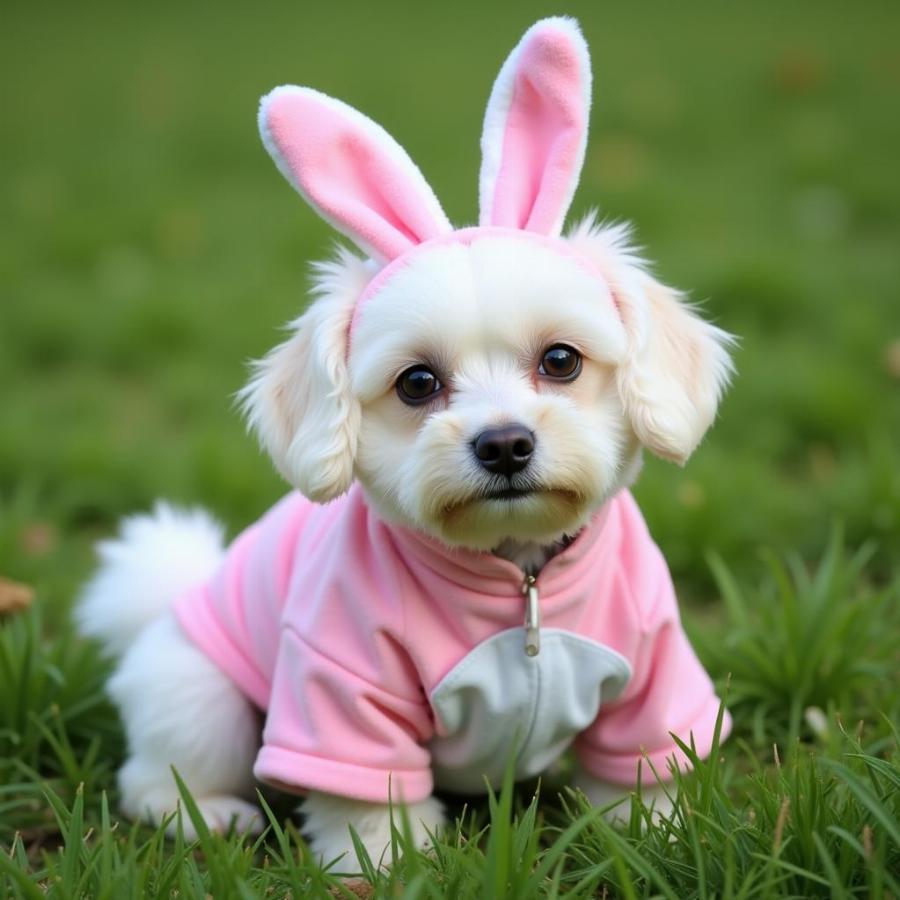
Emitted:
pixel 299 401
pixel 675 372
pixel 535 130
pixel 350 171
pixel 676 365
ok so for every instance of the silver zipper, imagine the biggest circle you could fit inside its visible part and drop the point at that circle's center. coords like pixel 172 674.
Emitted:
pixel 532 616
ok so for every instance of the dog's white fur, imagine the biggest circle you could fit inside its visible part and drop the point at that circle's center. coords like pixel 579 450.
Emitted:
pixel 653 372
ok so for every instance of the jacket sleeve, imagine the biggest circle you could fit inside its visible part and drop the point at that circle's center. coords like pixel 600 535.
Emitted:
pixel 669 691
pixel 331 729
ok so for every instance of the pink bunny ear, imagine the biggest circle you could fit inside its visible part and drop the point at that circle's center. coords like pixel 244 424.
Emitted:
pixel 535 129
pixel 351 171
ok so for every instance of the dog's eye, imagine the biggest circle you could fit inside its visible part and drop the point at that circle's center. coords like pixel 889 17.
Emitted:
pixel 562 362
pixel 417 384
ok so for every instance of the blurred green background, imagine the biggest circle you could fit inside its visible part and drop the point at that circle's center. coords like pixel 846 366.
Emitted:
pixel 149 248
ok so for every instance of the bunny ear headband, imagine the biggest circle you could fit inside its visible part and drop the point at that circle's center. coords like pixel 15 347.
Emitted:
pixel 358 178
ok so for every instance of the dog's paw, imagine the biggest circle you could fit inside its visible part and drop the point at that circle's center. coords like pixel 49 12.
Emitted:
pixel 223 812
pixel 328 820
pixel 220 812
pixel 618 798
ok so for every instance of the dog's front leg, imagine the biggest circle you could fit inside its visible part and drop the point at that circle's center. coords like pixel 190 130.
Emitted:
pixel 328 819
pixel 601 793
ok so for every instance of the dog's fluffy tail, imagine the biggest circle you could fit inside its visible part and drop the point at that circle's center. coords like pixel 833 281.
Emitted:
pixel 155 558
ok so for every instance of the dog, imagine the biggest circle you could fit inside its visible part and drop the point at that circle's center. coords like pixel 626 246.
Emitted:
pixel 461 577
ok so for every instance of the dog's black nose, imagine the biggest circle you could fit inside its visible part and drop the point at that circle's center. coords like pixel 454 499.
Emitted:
pixel 505 450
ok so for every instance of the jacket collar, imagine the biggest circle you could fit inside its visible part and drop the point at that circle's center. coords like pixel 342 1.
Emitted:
pixel 488 574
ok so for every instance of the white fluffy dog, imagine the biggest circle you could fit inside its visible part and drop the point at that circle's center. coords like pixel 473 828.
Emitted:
pixel 461 412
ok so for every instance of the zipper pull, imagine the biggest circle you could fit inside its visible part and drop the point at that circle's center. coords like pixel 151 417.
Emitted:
pixel 532 616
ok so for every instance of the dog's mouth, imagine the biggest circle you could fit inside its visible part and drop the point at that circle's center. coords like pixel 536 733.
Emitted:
pixel 518 509
pixel 512 495
pixel 507 493
pixel 513 492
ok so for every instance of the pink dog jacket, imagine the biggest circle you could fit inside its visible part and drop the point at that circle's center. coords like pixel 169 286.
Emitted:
pixel 388 662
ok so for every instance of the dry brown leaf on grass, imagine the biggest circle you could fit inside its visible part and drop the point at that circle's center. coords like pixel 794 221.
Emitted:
pixel 14 597
pixel 358 887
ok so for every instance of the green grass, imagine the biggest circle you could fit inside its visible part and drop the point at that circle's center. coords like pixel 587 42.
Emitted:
pixel 780 810
pixel 149 249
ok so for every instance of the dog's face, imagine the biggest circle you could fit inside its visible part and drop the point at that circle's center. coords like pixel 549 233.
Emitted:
pixel 492 390
pixel 486 379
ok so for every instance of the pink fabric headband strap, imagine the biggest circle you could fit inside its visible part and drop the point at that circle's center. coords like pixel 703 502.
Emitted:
pixel 464 237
